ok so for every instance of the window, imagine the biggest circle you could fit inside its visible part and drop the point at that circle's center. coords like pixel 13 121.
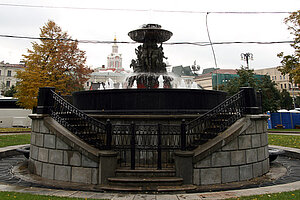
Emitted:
pixel 280 77
pixel 284 86
pixel 290 86
pixel 281 86
pixel 8 73
pixel 87 84
pixel 275 77
pixel 283 77
pixel 7 83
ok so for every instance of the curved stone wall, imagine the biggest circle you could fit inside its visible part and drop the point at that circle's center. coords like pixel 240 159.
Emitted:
pixel 244 158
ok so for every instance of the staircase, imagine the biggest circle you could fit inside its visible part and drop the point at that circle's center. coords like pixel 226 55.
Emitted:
pixel 146 179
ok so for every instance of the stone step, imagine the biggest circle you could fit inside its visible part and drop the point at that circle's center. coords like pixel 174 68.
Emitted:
pixel 162 189
pixel 145 172
pixel 145 181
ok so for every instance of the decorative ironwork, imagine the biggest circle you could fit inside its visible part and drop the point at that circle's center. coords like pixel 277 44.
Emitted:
pixel 215 121
pixel 86 128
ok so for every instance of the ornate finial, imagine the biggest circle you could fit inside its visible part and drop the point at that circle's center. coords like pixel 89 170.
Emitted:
pixel 115 38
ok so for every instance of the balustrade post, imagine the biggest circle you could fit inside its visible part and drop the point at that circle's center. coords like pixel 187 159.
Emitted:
pixel 132 144
pixel 183 135
pixel 250 100
pixel 159 146
pixel 108 129
pixel 45 100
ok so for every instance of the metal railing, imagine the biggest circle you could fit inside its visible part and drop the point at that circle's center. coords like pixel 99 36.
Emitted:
pixel 144 145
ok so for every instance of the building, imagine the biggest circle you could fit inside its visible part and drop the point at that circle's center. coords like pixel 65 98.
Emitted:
pixel 282 81
pixel 114 59
pixel 7 75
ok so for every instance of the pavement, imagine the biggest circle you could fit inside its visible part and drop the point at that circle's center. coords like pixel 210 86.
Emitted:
pixel 6 152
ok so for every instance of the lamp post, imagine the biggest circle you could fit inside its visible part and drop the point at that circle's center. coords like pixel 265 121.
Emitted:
pixel 247 57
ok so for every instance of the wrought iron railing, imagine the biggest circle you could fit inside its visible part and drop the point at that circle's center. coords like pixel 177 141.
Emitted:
pixel 87 128
pixel 215 121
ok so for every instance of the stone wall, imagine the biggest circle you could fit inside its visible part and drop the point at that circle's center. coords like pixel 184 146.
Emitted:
pixel 52 158
pixel 244 158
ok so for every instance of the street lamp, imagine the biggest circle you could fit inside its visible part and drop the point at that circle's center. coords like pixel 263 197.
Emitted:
pixel 247 57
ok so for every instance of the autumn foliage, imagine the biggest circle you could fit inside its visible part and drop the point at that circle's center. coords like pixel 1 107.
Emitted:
pixel 56 61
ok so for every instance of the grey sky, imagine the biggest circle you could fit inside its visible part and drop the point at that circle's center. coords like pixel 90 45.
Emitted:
pixel 102 25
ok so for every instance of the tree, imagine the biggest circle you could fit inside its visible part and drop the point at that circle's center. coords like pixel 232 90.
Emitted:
pixel 246 78
pixel 10 92
pixel 290 63
pixel 54 62
pixel 286 101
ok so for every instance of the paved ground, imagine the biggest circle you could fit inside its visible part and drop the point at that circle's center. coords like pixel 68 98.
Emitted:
pixel 9 184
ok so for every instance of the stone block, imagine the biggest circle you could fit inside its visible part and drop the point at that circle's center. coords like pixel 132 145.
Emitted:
pixel 251 155
pixel 43 155
pixel 204 163
pixel 238 157
pixel 49 141
pixel 261 155
pixel 81 175
pixel 72 158
pixel 220 159
pixel 38 168
pixel 196 177
pixel 43 128
pixel 252 128
pixel 246 172
pixel 266 152
pixel 48 171
pixel 86 162
pixel 257 169
pixel 61 144
pixel 62 173
pixel 56 156
pixel 230 174
pixel 244 141
pixel 35 125
pixel 264 139
pixel 265 166
pixel 231 146
pixel 32 138
pixel 34 152
pixel 210 176
pixel 39 140
pixel 261 126
pixel 95 176
pixel 31 166
pixel 255 140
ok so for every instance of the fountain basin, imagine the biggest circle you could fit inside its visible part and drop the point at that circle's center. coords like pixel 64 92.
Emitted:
pixel 147 101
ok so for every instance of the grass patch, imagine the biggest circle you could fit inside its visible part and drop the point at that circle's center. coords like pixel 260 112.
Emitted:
pixel 10 140
pixel 285 140
pixel 276 196
pixel 26 196
pixel 14 129
pixel 285 130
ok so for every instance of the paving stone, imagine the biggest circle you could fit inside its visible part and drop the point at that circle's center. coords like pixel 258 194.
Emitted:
pixel 246 172
pixel 165 197
pixel 251 155
pixel 49 141
pixel 86 162
pixel 210 176
pixel 233 145
pixel 220 159
pixel 39 140
pixel 81 175
pixel 81 194
pixel 48 171
pixel 56 156
pixel 257 169
pixel 256 140
pixel 261 154
pixel 62 173
pixel 61 144
pixel 244 141
pixel 230 174
pixel 206 162
pixel 43 155
pixel 238 157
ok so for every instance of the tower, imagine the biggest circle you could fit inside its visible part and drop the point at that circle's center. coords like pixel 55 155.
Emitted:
pixel 114 60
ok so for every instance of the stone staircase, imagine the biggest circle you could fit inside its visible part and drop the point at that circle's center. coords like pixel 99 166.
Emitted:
pixel 144 179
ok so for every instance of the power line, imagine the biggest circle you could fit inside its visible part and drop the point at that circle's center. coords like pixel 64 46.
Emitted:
pixel 167 43
pixel 141 10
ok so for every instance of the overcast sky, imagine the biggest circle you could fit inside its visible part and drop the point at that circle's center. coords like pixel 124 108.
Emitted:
pixel 110 18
